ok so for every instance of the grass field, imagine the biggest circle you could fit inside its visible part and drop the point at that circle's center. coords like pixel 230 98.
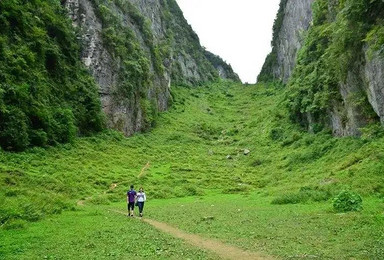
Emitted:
pixel 198 149
pixel 251 222
pixel 93 233
pixel 301 231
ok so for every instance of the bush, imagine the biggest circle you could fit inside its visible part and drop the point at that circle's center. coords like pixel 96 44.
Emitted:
pixel 347 201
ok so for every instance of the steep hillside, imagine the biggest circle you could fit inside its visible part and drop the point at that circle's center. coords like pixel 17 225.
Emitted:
pixel 136 50
pixel 46 95
pixel 337 80
pixel 225 70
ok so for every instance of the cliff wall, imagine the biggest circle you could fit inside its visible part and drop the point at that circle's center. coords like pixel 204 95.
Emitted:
pixel 335 79
pixel 293 20
pixel 135 50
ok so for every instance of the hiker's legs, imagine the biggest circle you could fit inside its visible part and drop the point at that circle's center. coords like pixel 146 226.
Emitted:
pixel 131 207
pixel 141 207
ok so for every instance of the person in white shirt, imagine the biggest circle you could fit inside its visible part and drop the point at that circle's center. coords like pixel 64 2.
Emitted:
pixel 140 199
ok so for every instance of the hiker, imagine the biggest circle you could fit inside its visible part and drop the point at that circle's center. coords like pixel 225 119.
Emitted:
pixel 131 197
pixel 140 199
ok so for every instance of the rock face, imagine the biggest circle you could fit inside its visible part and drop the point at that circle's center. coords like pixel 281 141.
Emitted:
pixel 225 70
pixel 331 83
pixel 297 18
pixel 374 77
pixel 166 50
pixel 292 22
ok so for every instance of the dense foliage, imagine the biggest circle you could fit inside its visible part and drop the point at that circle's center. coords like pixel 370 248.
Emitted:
pixel 46 96
pixel 334 46
pixel 347 201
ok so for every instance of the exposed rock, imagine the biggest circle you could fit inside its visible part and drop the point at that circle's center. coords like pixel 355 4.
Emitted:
pixel 374 76
pixel 229 157
pixel 225 70
pixel 246 151
pixel 296 19
pixel 183 64
pixel 361 89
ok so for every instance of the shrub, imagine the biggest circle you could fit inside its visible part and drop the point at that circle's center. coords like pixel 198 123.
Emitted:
pixel 347 201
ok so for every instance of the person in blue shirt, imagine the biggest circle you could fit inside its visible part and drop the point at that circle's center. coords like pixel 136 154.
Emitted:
pixel 131 198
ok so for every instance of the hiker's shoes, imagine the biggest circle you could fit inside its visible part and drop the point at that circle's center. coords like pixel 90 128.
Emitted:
pixel 141 215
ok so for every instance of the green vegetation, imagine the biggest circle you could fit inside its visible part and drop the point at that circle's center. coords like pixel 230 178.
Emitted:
pixel 132 59
pixel 218 62
pixel 347 201
pixel 124 45
pixel 198 149
pixel 225 156
pixel 46 96
pixel 333 47
pixel 300 231
pixel 93 233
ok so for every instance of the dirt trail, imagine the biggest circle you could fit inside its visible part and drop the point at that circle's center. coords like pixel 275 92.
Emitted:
pixel 223 250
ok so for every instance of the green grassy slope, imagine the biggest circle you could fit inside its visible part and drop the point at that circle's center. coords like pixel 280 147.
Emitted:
pixel 187 153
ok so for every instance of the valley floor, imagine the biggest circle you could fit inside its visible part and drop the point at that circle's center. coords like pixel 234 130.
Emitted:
pixel 224 163
pixel 249 223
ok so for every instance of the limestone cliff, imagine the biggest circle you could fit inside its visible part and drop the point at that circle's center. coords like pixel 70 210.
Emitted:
pixel 293 20
pixel 135 50
pixel 332 63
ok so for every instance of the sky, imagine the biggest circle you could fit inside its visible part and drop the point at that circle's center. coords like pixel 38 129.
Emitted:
pixel 239 31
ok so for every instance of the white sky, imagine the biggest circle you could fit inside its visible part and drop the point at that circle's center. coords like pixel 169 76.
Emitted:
pixel 239 31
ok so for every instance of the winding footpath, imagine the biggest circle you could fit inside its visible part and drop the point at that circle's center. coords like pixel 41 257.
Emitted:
pixel 224 251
